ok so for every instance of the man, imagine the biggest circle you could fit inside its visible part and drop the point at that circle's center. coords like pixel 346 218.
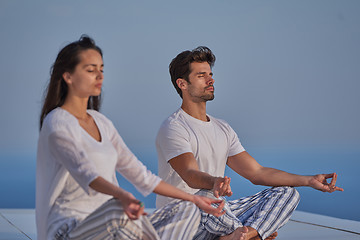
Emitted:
pixel 194 148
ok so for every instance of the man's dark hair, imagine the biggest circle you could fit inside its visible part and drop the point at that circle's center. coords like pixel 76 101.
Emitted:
pixel 180 65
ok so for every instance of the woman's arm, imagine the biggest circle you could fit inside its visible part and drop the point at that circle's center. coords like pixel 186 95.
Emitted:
pixel 204 203
pixel 132 207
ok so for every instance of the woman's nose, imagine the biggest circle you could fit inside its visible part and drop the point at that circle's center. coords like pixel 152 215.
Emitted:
pixel 100 75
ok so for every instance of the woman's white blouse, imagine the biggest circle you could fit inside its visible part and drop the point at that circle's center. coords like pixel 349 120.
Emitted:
pixel 69 159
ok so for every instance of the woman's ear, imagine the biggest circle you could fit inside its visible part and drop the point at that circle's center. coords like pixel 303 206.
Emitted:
pixel 67 77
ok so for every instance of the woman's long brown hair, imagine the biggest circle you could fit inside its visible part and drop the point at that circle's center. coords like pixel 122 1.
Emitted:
pixel 66 61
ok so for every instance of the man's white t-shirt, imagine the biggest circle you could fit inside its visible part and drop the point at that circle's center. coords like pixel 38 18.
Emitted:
pixel 211 143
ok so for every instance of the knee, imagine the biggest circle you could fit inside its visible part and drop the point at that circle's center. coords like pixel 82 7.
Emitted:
pixel 293 194
pixel 289 192
pixel 190 210
pixel 296 194
pixel 189 207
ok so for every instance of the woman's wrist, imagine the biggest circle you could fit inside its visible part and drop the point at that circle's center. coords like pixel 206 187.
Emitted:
pixel 121 194
pixel 192 198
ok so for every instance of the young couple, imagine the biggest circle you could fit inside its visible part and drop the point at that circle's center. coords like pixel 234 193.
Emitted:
pixel 79 152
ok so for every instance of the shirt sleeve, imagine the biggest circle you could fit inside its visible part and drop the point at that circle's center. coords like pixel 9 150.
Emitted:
pixel 172 140
pixel 131 168
pixel 69 153
pixel 235 144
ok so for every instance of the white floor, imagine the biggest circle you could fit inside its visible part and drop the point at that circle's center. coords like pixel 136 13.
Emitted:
pixel 19 224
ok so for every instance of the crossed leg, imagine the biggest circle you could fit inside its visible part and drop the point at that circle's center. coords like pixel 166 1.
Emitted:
pixel 262 214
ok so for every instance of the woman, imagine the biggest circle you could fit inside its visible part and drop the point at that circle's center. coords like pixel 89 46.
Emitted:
pixel 79 150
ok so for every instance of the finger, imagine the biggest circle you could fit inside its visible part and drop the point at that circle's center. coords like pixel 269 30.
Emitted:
pixel 221 205
pixel 339 189
pixel 227 181
pixel 228 192
pixel 333 180
pixel 222 187
pixel 216 193
pixel 333 189
pixel 141 209
pixel 131 215
pixel 140 212
pixel 225 186
pixel 216 201
pixel 141 204
pixel 329 175
pixel 220 209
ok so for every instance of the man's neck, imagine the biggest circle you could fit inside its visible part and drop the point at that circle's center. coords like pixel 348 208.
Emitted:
pixel 196 110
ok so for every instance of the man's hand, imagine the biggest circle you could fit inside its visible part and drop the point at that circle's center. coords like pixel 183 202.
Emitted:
pixel 319 182
pixel 222 187
pixel 204 203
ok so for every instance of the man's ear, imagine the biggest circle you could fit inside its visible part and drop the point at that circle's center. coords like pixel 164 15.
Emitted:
pixel 181 83
pixel 67 77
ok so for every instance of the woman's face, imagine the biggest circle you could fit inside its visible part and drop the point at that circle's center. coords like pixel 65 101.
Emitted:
pixel 87 78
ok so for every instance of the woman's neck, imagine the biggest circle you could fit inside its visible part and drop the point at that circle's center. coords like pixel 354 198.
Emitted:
pixel 76 107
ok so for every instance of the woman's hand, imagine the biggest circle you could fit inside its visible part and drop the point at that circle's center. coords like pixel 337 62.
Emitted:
pixel 204 203
pixel 132 207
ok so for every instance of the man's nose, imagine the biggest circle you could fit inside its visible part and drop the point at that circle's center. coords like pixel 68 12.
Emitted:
pixel 211 80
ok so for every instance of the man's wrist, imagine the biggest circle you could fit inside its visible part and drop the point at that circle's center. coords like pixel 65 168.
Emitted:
pixel 307 181
pixel 214 181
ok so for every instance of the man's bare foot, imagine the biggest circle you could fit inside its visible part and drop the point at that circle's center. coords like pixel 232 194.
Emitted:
pixel 272 236
pixel 239 234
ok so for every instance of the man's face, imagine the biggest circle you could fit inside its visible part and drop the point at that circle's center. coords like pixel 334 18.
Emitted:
pixel 200 88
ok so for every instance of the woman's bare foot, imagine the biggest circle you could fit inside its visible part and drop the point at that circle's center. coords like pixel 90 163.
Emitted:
pixel 239 234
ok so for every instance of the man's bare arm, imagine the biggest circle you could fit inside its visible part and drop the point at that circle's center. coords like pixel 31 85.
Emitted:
pixel 187 168
pixel 246 166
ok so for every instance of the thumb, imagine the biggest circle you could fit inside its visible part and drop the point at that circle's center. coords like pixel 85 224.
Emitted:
pixel 216 193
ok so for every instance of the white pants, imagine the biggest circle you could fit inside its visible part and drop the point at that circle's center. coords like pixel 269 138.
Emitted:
pixel 177 220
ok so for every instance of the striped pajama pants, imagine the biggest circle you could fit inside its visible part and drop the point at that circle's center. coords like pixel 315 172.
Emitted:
pixel 177 220
pixel 266 211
